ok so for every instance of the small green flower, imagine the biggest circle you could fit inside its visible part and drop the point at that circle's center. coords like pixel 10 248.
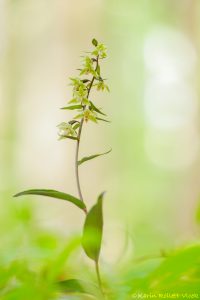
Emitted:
pixel 88 67
pixel 100 51
pixel 87 114
pixel 65 129
pixel 101 86
pixel 90 115
pixel 79 90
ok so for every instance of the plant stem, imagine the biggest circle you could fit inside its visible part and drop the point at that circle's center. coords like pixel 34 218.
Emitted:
pixel 77 174
pixel 78 141
pixel 99 276
pixel 76 161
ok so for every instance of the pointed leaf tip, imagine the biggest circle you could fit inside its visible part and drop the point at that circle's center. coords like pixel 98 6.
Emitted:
pixel 86 158
pixel 96 109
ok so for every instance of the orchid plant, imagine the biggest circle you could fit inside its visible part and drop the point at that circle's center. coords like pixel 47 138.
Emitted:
pixel 89 78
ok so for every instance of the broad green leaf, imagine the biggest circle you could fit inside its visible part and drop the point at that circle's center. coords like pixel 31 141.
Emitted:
pixel 72 107
pixel 53 194
pixel 84 159
pixel 100 119
pixel 96 109
pixel 92 231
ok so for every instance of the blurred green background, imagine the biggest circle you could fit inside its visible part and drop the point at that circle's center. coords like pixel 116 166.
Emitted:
pixel 152 175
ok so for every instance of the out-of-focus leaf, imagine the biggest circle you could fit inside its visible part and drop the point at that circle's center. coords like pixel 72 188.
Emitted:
pixel 59 263
pixel 78 287
pixel 72 107
pixel 53 194
pixel 178 273
pixel 84 159
pixel 96 109
pixel 70 286
pixel 92 231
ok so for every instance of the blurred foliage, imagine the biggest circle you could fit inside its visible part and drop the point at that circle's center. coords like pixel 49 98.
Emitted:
pixel 37 264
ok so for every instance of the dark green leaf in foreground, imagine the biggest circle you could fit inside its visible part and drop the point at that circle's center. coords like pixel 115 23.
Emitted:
pixel 84 159
pixel 72 107
pixel 53 194
pixel 92 231
pixel 96 109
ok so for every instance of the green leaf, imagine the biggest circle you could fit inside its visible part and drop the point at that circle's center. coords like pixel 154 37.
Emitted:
pixel 70 286
pixel 178 273
pixel 68 137
pixel 53 194
pixel 94 42
pixel 76 286
pixel 92 231
pixel 79 116
pixel 73 101
pixel 72 107
pixel 76 126
pixel 96 109
pixel 58 264
pixel 100 119
pixel 84 159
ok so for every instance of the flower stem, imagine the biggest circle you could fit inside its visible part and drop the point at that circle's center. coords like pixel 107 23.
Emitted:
pixel 78 141
pixel 77 174
pixel 99 277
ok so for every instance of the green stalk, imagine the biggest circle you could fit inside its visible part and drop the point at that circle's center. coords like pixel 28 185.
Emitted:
pixel 78 142
pixel 77 172
pixel 99 277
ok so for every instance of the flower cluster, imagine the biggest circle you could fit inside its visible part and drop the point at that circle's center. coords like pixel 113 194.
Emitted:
pixel 81 88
